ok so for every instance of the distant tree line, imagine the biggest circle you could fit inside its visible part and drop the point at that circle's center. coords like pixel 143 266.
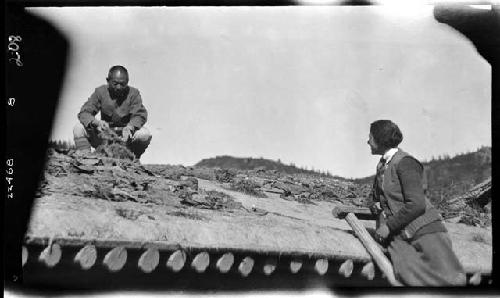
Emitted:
pixel 58 144
pixel 445 170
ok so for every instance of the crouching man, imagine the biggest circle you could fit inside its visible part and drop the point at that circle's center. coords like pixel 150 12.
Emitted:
pixel 121 110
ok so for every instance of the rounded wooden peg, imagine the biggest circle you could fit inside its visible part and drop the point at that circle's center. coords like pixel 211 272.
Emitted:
pixel 475 279
pixel 295 265
pixel 368 271
pixel 321 266
pixel 149 260
pixel 176 260
pixel 201 262
pixel 225 262
pixel 346 268
pixel 269 266
pixel 115 259
pixel 24 255
pixel 51 255
pixel 86 257
pixel 246 266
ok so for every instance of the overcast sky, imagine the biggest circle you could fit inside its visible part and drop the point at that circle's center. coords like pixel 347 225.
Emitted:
pixel 300 84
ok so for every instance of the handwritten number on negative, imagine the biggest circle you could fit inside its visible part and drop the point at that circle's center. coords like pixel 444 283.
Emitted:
pixel 14 48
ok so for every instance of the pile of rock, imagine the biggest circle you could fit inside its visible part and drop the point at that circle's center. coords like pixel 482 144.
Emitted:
pixel 301 188
pixel 211 200
pixel 97 176
pixel 100 175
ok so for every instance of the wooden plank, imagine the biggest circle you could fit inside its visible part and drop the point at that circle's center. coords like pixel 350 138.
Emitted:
pixel 321 266
pixel 269 266
pixel 86 257
pixel 176 260
pixel 79 242
pixel 163 246
pixel 360 212
pixel 295 265
pixel 346 268
pixel 246 266
pixel 225 262
pixel 149 260
pixel 51 255
pixel 24 255
pixel 201 262
pixel 368 271
pixel 115 259
pixel 373 249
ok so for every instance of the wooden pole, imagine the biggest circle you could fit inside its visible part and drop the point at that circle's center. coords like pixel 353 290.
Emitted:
pixel 360 212
pixel 201 262
pixel 86 257
pixel 176 260
pixel 149 260
pixel 51 255
pixel 373 249
pixel 269 266
pixel 24 255
pixel 321 266
pixel 368 271
pixel 346 268
pixel 115 259
pixel 225 262
pixel 295 265
pixel 475 279
pixel 246 266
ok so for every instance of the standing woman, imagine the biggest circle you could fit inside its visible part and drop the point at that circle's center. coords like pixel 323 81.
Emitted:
pixel 417 240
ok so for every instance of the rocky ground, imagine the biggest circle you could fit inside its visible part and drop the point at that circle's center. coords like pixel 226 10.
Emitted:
pixel 110 196
pixel 112 174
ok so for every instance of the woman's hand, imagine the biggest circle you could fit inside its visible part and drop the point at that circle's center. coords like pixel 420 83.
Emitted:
pixel 382 233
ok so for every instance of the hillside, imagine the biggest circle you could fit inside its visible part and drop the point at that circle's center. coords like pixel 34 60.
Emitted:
pixel 451 176
pixel 241 163
pixel 445 175
pixel 447 179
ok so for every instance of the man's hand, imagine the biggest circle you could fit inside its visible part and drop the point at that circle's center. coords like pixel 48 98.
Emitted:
pixel 127 133
pixel 382 233
pixel 100 125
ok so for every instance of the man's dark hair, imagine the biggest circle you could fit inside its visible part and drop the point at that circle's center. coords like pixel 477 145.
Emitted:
pixel 117 68
pixel 386 133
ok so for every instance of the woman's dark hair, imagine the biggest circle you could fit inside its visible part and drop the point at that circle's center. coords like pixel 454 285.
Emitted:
pixel 386 133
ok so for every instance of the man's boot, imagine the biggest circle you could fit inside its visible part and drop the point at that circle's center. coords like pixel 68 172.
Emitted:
pixel 82 145
pixel 80 135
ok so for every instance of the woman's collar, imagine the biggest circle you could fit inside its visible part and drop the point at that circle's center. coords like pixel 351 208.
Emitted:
pixel 389 154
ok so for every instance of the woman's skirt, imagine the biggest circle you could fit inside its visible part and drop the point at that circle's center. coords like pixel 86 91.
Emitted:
pixel 426 261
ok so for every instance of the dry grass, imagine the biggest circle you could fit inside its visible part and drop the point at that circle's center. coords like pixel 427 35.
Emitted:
pixel 248 186
pixel 477 237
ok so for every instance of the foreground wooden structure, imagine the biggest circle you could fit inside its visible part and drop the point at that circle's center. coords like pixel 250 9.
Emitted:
pixel 164 236
pixel 114 256
pixel 198 260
